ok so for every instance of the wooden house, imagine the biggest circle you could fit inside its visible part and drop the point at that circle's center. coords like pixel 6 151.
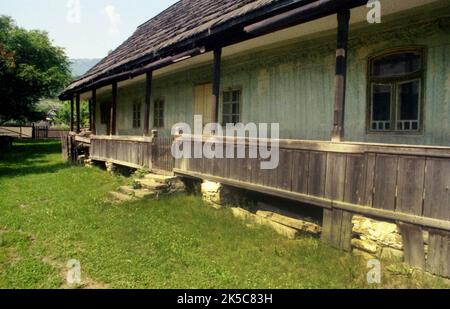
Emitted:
pixel 363 107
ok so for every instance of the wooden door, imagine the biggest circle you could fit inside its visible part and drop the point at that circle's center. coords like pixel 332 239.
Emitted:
pixel 202 102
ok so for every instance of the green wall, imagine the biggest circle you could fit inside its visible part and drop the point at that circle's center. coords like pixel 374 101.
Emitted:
pixel 294 84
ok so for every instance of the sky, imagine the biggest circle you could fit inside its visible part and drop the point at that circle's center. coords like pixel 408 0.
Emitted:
pixel 84 28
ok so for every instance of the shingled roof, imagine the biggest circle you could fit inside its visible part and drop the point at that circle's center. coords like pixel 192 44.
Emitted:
pixel 179 22
pixel 188 24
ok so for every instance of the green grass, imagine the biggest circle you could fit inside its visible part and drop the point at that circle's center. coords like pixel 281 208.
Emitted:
pixel 51 212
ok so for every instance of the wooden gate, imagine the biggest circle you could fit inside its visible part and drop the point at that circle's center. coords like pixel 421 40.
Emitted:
pixel 40 132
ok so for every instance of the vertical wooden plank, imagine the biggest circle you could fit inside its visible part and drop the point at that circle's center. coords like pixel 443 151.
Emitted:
pixel 370 179
pixel 216 85
pixel 341 74
pixel 437 189
pixel 438 261
pixel 284 170
pixel 300 173
pixel 335 176
pixel 148 98
pixel 385 182
pixel 346 231
pixel 317 173
pixel 113 111
pixel 72 122
pixel 78 113
pixel 355 179
pixel 94 112
pixel 410 185
pixel 337 228
pixel 327 225
pixel 413 244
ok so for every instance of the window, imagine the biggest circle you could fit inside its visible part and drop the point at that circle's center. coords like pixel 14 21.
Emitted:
pixel 396 82
pixel 104 113
pixel 136 115
pixel 231 107
pixel 158 116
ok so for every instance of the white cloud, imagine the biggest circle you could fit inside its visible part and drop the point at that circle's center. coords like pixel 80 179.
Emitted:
pixel 114 19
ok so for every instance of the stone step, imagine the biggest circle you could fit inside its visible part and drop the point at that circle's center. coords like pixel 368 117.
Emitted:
pixel 144 194
pixel 120 197
pixel 160 178
pixel 151 184
pixel 126 190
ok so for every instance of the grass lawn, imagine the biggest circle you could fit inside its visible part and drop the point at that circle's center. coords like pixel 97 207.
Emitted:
pixel 51 212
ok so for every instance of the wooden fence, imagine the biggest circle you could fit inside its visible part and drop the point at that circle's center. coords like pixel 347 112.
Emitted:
pixel 17 131
pixel 33 132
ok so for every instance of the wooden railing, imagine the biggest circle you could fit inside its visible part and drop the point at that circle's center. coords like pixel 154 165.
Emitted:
pixel 134 152
pixel 387 180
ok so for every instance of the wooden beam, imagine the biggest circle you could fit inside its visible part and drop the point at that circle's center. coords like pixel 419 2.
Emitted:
pixel 148 98
pixel 112 116
pixel 94 111
pixel 379 214
pixel 216 85
pixel 90 114
pixel 78 113
pixel 72 122
pixel 341 75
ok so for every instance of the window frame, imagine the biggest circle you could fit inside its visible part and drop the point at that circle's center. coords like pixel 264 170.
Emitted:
pixel 137 114
pixel 231 90
pixel 394 82
pixel 104 113
pixel 159 122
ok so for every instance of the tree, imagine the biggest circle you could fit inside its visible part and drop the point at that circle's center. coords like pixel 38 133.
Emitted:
pixel 63 114
pixel 31 69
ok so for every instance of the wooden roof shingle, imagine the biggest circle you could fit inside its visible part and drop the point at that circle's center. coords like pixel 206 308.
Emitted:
pixel 181 21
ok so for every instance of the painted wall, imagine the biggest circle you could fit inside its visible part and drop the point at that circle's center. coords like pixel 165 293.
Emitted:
pixel 294 84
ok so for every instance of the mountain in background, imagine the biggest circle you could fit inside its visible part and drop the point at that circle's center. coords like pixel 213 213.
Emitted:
pixel 81 66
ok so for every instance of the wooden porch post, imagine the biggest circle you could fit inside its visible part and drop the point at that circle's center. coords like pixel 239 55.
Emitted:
pixel 71 115
pixel 78 113
pixel 112 116
pixel 148 98
pixel 94 111
pixel 216 85
pixel 90 114
pixel 341 75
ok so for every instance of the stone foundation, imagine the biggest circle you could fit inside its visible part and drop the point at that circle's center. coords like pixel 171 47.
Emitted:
pixel 110 167
pixel 377 239
pixel 370 238
pixel 218 195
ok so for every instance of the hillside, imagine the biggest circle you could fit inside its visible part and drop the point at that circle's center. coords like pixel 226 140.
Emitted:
pixel 81 66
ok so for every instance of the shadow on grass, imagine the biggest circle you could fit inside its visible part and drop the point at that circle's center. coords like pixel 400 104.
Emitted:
pixel 30 157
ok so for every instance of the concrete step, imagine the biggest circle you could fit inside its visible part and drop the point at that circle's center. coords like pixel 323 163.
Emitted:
pixel 160 178
pixel 120 197
pixel 151 184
